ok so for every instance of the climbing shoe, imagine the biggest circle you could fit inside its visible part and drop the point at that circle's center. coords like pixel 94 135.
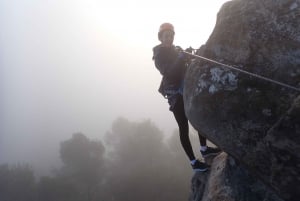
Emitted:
pixel 210 151
pixel 199 166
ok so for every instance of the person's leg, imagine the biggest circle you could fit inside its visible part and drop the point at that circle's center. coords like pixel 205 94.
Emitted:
pixel 202 140
pixel 182 121
pixel 205 150
pixel 183 125
pixel 203 146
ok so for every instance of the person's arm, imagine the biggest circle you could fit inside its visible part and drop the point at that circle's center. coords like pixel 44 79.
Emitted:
pixel 167 64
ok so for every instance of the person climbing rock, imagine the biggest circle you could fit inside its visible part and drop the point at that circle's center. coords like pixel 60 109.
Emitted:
pixel 172 64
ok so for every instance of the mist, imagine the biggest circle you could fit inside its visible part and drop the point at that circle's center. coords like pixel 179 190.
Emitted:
pixel 68 67
pixel 138 162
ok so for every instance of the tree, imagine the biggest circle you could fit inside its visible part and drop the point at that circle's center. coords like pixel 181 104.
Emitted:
pixel 17 183
pixel 84 163
pixel 57 188
pixel 141 166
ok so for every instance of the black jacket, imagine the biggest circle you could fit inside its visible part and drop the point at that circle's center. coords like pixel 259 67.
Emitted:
pixel 172 66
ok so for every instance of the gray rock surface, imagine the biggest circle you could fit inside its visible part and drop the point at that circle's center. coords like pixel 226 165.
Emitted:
pixel 228 181
pixel 255 121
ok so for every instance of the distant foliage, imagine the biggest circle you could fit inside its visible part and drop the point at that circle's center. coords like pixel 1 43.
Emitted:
pixel 136 163
pixel 142 161
pixel 17 183
pixel 58 189
pixel 84 164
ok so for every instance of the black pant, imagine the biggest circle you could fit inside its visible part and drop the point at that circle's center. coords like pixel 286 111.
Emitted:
pixel 183 125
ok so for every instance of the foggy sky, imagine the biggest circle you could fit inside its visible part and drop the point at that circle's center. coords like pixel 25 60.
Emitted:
pixel 69 67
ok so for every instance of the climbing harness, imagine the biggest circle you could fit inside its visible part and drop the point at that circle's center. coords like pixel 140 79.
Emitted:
pixel 191 52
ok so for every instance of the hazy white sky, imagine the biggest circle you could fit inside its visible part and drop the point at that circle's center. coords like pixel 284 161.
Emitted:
pixel 76 65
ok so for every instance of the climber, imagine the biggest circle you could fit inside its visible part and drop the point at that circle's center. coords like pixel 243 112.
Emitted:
pixel 171 63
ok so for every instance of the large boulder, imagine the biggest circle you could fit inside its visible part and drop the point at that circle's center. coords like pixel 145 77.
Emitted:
pixel 228 180
pixel 255 121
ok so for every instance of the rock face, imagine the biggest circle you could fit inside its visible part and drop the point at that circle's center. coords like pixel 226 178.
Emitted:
pixel 229 181
pixel 255 121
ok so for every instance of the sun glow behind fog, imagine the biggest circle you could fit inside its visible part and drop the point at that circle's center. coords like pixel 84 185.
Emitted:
pixel 137 22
